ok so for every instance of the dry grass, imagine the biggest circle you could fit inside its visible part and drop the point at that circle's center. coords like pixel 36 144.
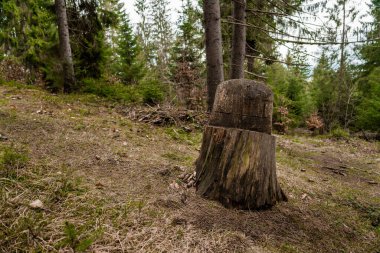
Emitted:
pixel 98 176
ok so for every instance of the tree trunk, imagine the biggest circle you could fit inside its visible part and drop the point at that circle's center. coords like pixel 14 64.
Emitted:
pixel 237 163
pixel 214 55
pixel 251 50
pixel 238 39
pixel 64 46
pixel 238 168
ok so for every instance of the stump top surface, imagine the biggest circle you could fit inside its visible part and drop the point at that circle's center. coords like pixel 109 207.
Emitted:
pixel 244 104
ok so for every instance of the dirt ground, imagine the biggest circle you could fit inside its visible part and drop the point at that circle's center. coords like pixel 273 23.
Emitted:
pixel 114 184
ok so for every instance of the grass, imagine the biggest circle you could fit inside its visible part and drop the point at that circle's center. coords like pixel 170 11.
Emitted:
pixel 178 134
pixel 98 177
pixel 11 162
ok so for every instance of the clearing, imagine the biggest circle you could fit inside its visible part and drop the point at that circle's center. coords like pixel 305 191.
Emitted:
pixel 111 184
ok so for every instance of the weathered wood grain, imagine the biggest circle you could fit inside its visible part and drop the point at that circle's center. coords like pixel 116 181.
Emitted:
pixel 237 167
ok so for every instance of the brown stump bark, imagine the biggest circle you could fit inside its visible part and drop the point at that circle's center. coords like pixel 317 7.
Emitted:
pixel 245 104
pixel 237 163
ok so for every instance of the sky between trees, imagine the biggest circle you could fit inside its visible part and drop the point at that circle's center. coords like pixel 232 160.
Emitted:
pixel 312 50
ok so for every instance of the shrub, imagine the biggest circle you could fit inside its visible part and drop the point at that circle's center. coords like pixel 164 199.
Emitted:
pixel 115 92
pixel 152 91
pixel 339 133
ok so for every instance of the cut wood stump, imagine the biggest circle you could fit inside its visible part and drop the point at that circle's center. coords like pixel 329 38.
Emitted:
pixel 237 163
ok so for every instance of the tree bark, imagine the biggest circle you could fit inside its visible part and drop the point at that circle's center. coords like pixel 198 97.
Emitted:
pixel 214 55
pixel 251 50
pixel 238 39
pixel 237 163
pixel 64 47
pixel 238 168
pixel 244 104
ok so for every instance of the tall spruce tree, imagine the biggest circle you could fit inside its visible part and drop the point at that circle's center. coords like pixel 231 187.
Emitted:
pixel 368 111
pixel 129 68
pixel 162 33
pixel 186 56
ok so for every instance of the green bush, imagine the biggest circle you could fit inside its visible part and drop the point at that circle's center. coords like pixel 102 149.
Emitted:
pixel 368 111
pixel 339 133
pixel 115 92
pixel 152 91
pixel 149 91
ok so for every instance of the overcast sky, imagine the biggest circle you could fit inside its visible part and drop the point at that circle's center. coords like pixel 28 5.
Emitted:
pixel 175 6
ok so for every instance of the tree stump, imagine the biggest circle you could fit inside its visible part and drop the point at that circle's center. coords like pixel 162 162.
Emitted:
pixel 237 163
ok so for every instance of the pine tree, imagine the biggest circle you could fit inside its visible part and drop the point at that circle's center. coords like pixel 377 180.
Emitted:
pixel 130 69
pixel 186 56
pixel 325 92
pixel 144 27
pixel 368 111
pixel 161 30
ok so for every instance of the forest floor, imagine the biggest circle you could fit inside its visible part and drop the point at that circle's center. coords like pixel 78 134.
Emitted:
pixel 106 183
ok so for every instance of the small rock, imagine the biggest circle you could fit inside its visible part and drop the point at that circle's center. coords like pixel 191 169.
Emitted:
pixel 303 170
pixel 3 137
pixel 36 204
pixel 372 182
pixel 97 157
pixel 125 143
pixel 311 180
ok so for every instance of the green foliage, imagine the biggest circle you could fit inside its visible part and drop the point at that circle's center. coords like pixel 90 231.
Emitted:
pixel 339 133
pixel 324 91
pixel 151 90
pixel 72 238
pixel 129 63
pixel 370 52
pixel 291 92
pixel 186 67
pixel 179 134
pixel 368 112
pixel 27 29
pixel 11 161
pixel 148 91
pixel 114 92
